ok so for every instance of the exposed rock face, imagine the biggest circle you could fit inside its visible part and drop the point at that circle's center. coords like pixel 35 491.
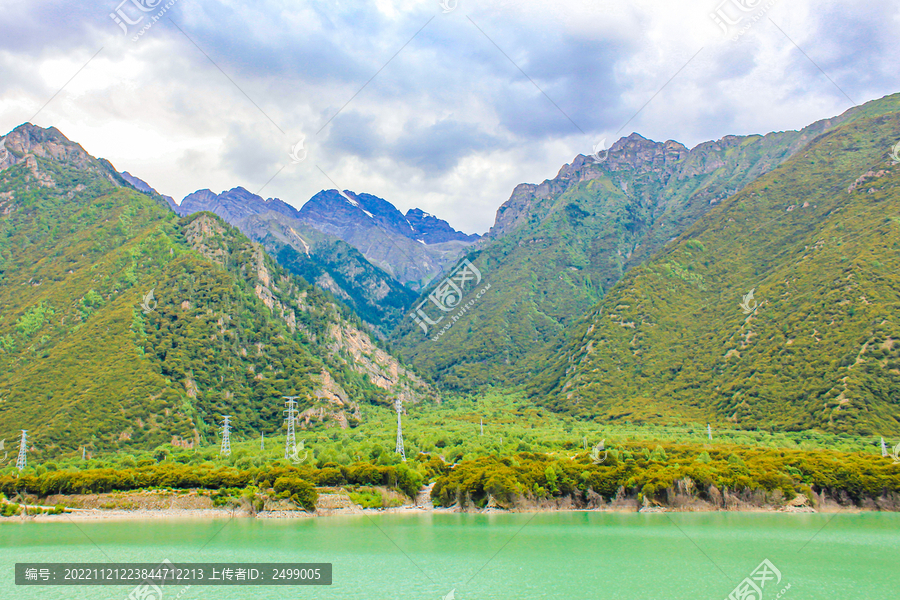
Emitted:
pixel 27 143
pixel 666 162
pixel 233 205
pixel 28 139
pixel 432 230
pixel 350 347
pixel 411 251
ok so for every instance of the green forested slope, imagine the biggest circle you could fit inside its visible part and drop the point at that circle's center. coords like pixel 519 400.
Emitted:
pixel 333 265
pixel 89 358
pixel 818 346
pixel 559 246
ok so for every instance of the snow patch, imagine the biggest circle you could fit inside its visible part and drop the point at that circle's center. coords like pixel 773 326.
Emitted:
pixel 349 199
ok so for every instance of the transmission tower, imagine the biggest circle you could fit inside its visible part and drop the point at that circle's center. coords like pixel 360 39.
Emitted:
pixel 262 440
pixel 226 437
pixel 398 406
pixel 884 450
pixel 708 431
pixel 290 442
pixel 481 423
pixel 20 462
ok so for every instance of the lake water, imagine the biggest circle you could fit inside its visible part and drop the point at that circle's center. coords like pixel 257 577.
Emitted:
pixel 497 556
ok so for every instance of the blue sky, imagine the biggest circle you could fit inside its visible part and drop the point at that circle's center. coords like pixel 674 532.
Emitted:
pixel 445 108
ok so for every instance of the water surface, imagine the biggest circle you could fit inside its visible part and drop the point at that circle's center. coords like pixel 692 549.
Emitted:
pixel 498 556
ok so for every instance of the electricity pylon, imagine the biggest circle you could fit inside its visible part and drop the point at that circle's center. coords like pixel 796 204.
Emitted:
pixel 20 462
pixel 398 406
pixel 225 450
pixel 290 442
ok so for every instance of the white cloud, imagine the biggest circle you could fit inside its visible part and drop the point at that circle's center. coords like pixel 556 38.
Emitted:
pixel 450 124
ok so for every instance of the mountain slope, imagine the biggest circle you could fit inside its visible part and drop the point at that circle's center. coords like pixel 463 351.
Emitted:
pixel 333 265
pixel 122 325
pixel 557 247
pixel 384 236
pixel 357 246
pixel 777 309
pixel 412 249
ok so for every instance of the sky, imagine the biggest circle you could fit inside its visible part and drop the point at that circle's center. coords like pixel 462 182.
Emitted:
pixel 444 106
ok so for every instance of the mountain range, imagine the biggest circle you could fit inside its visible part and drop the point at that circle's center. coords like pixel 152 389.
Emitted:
pixel 357 246
pixel 558 247
pixel 750 280
pixel 123 325
pixel 412 249
pixel 777 308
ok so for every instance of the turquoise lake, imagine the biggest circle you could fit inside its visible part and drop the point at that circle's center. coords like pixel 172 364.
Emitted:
pixel 523 556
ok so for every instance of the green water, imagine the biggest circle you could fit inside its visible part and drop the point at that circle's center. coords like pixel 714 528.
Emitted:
pixel 522 556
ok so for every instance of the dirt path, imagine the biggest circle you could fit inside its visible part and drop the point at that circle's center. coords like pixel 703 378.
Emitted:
pixel 423 498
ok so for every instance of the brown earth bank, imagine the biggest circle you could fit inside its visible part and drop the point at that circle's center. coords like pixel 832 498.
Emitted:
pixel 145 504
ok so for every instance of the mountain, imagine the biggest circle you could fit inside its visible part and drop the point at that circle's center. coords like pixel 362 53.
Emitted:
pixel 335 239
pixel 412 249
pixel 123 325
pixel 333 265
pixel 385 237
pixel 557 247
pixel 143 186
pixel 321 258
pixel 233 205
pixel 432 230
pixel 776 309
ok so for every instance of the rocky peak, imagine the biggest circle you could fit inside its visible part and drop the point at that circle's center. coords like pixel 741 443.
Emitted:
pixel 432 230
pixel 27 142
pixel 46 143
pixel 233 205
pixel 332 211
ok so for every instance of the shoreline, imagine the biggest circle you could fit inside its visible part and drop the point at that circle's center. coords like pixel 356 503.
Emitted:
pixel 218 513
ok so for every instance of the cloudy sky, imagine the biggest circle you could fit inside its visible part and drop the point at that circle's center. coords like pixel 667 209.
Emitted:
pixel 444 107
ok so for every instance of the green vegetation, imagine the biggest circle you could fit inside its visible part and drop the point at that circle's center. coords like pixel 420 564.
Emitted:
pixel 526 455
pixel 374 295
pixel 819 345
pixel 565 245
pixel 633 470
pixel 123 326
pixel 300 491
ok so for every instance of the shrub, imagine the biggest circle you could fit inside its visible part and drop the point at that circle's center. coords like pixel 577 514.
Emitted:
pixel 301 491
